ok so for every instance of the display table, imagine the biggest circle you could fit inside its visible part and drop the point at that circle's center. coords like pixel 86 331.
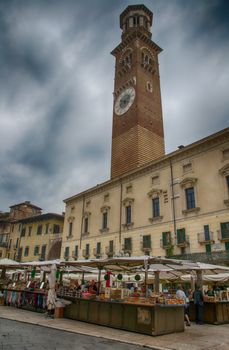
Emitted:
pixel 214 313
pixel 142 318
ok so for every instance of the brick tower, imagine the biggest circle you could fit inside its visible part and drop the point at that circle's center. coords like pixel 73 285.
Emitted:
pixel 137 135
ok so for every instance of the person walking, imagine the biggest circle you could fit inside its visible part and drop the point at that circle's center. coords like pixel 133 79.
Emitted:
pixel 180 294
pixel 199 304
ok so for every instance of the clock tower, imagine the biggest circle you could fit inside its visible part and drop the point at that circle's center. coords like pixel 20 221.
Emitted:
pixel 137 135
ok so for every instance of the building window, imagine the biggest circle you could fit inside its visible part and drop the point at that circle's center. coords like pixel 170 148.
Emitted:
pixel 46 229
pixel 206 233
pixel 227 246
pixel 104 226
pixel 26 252
pixel 23 232
pixel 39 229
pixel 146 241
pixel 66 253
pixel 56 228
pixel 87 251
pixel 127 244
pixel 227 182
pixel 128 214
pixel 224 230
pixel 76 252
pixel 36 250
pixel 98 248
pixel 43 251
pixel 17 243
pixel 30 231
pixel 156 207
pixel 166 239
pixel 70 229
pixel 20 251
pixel 111 246
pixel 208 248
pixel 190 198
pixel 149 86
pixel 86 225
pixel 181 236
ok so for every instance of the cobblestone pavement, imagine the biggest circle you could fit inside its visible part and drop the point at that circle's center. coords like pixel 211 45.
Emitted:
pixel 15 335
pixel 204 337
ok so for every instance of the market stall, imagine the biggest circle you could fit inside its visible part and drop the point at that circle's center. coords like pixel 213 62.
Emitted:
pixel 216 305
pixel 113 304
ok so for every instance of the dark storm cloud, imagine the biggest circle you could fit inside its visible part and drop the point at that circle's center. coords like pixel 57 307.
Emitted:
pixel 56 88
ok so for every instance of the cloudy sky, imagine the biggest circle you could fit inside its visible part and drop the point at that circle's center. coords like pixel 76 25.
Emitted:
pixel 57 74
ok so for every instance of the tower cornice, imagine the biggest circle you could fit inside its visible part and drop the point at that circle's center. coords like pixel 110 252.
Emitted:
pixel 136 35
pixel 135 8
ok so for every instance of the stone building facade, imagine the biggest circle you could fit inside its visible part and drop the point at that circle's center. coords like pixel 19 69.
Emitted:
pixel 28 235
pixel 157 204
pixel 176 205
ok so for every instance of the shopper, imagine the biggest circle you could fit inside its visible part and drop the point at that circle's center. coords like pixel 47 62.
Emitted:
pixel 180 294
pixel 199 304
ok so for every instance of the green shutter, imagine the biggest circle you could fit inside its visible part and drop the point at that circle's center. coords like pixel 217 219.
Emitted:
pixel 227 246
pixel 164 238
pixel 208 248
pixel 224 229
pixel 181 235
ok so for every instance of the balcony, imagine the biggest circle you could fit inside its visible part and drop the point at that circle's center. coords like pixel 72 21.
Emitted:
pixel 146 247
pixel 182 242
pixel 86 254
pixel 74 255
pixel 97 253
pixel 204 238
pixel 109 251
pixel 223 236
pixel 127 249
pixel 165 244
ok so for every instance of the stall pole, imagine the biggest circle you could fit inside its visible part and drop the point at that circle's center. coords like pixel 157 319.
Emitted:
pixel 192 282
pixel 156 281
pixel 199 278
pixel 146 278
pixel 99 281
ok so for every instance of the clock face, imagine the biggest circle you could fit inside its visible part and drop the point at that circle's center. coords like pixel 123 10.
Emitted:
pixel 124 101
